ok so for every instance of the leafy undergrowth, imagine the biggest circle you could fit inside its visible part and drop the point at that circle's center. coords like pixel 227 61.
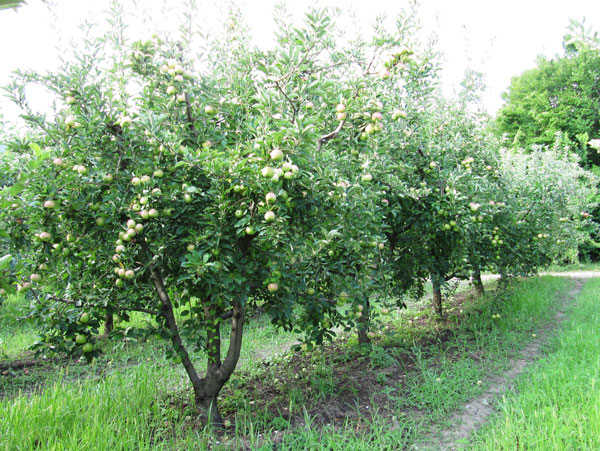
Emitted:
pixel 341 396
pixel 556 404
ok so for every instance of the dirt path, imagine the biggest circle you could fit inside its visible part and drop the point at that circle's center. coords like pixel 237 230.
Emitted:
pixel 573 274
pixel 477 412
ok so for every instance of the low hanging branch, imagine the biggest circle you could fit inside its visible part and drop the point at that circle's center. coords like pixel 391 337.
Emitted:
pixel 118 308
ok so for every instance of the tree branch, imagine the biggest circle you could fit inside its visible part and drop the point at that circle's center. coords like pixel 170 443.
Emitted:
pixel 118 308
pixel 323 139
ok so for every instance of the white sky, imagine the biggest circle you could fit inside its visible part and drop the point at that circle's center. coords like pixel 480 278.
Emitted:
pixel 501 38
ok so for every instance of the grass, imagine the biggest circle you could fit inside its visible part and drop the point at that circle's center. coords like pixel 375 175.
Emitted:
pixel 557 402
pixel 416 373
pixel 16 334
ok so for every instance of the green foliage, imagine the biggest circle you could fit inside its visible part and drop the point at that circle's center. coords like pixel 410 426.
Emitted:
pixel 560 95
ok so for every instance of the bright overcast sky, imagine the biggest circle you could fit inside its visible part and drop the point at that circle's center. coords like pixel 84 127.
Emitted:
pixel 500 38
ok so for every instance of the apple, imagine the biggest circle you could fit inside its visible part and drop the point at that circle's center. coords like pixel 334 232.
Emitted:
pixel 153 213
pixel 276 155
pixel 43 267
pixel 58 162
pixel 187 198
pixel 370 129
pixel 130 223
pixel 145 179
pixel 272 287
pixel 129 274
pixel 144 214
pixel 385 311
pixel 288 175
pixel 309 105
pixel 270 216
pixel 23 288
pixel 190 247
pixel 82 169
pixel 268 172
pixel 377 116
pixel 49 204
pixel 69 121
pixel 131 233
pixel 341 116
pixel 71 238
pixel 432 164
pixel 100 221
pixel 310 291
pixel 70 100
pixel 158 173
pixel 120 249
pixel 84 318
pixel 340 108
pixel 116 258
pixel 358 314
pixel 239 213
pixel 81 339
pixel 250 230
pixel 119 283
pixel 107 178
pixel 270 197
pixel 209 110
pixel 144 200
pixel 366 177
pixel 35 277
pixel 45 236
pixel 136 181
pixel 87 347
pixel 171 90
pixel 138 228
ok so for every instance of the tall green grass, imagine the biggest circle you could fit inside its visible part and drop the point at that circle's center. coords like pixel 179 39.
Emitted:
pixel 120 412
pixel 16 333
pixel 557 402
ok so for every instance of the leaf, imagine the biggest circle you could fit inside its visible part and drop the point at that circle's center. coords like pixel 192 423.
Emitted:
pixel 5 261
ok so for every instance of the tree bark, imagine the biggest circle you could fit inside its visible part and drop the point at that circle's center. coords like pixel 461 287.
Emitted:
pixel 109 323
pixel 477 283
pixel 436 282
pixel 363 326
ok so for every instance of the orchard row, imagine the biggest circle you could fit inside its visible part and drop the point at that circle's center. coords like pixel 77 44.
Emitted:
pixel 315 180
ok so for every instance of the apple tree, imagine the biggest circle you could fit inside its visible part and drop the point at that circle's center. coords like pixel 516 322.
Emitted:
pixel 193 193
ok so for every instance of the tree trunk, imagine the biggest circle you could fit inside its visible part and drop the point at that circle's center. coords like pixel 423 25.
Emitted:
pixel 436 282
pixel 363 325
pixel 109 323
pixel 206 389
pixel 477 283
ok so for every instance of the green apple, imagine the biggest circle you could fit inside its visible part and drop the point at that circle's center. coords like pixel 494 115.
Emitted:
pixel 276 155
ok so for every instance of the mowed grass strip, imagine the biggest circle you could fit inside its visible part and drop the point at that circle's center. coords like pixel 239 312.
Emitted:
pixel 556 404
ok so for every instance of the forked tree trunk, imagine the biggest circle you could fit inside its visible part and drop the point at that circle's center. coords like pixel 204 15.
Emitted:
pixel 436 282
pixel 206 389
pixel 477 283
